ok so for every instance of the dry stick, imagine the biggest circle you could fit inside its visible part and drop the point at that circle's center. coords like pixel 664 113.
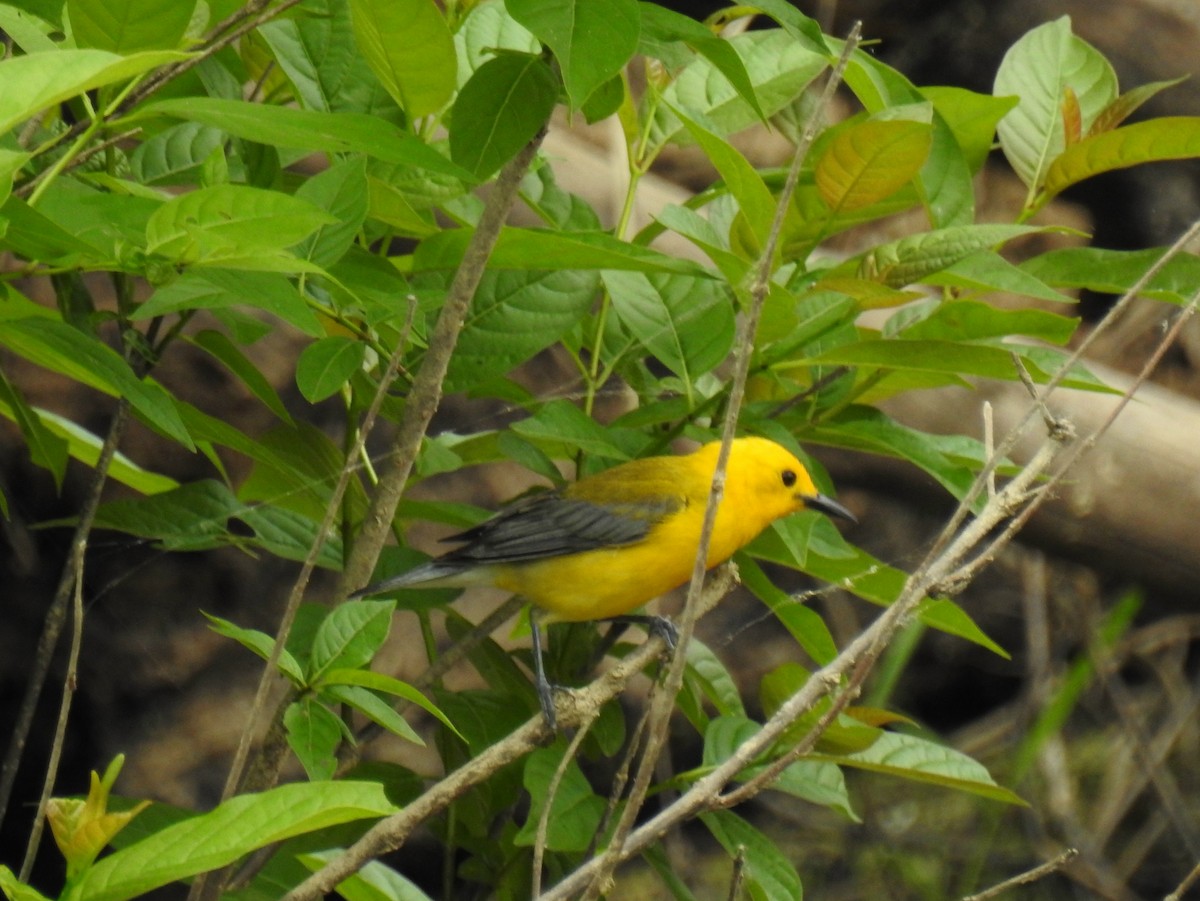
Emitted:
pixel 577 705
pixel 64 711
pixel 1188 881
pixel 543 826
pixel 664 703
pixel 1033 875
pixel 56 615
pixel 1057 379
pixel 427 385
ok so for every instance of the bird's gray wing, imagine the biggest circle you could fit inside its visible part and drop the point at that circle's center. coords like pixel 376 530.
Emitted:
pixel 551 525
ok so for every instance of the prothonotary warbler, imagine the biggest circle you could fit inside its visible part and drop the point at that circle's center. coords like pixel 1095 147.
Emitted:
pixel 605 545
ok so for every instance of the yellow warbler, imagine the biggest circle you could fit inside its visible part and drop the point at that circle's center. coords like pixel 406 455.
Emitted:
pixel 607 544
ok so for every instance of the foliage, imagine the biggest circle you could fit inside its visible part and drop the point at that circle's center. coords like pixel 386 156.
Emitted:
pixel 130 150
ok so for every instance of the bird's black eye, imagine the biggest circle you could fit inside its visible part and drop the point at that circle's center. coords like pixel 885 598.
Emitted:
pixel 789 478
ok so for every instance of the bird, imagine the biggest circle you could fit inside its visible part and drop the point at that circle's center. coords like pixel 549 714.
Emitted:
pixel 606 544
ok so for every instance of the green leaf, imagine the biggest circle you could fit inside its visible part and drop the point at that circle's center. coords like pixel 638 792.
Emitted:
pixel 36 237
pixel 216 289
pixel 742 180
pixel 192 516
pixel 224 350
pixel 27 31
pixel 408 46
pixel 175 154
pixel 374 882
pixel 489 27
pixel 804 623
pixel 45 448
pixel 912 259
pixel 514 315
pixel 313 734
pixel 527 248
pixel 500 110
pixel 259 643
pixel 1116 271
pixel 326 365
pixel 972 119
pixel 971 320
pixel 131 25
pixel 39 80
pixel 767 873
pixel 374 708
pixel 1040 69
pixel 592 40
pixel 870 161
pixel 318 54
pixel 340 190
pixel 952 460
pixel 662 25
pixel 686 323
pixel 988 271
pixel 230 221
pixel 68 351
pixel 1167 138
pixel 307 130
pixel 290 535
pixel 946 616
pixel 84 446
pixel 568 429
pixel 15 890
pixel 218 838
pixel 920 760
pixel 708 673
pixel 350 636
pixel 779 66
pixel 576 810
pixel 380 682
pixel 1128 103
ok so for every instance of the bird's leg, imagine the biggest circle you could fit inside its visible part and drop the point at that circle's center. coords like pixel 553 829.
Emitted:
pixel 655 625
pixel 545 691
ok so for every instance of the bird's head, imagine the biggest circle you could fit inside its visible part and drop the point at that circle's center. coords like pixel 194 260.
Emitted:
pixel 773 482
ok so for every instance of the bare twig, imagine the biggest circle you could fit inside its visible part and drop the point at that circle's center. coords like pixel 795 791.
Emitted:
pixel 1033 875
pixel 1188 881
pixel 64 712
pixel 56 615
pixel 426 392
pixel 543 826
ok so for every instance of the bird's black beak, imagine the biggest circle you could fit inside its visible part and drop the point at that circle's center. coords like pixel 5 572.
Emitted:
pixel 828 506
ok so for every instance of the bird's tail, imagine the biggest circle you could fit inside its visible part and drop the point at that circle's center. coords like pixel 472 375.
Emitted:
pixel 434 574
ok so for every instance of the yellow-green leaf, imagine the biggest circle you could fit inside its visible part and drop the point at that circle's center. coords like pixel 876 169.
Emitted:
pixel 871 161
pixel 1168 138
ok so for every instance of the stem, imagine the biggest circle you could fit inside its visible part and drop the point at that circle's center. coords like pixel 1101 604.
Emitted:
pixel 56 615
pixel 427 385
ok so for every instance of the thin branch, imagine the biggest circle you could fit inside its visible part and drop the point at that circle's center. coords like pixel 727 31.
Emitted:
pixel 64 711
pixel 1188 881
pixel 543 826
pixel 1033 875
pixel 426 391
pixel 56 615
